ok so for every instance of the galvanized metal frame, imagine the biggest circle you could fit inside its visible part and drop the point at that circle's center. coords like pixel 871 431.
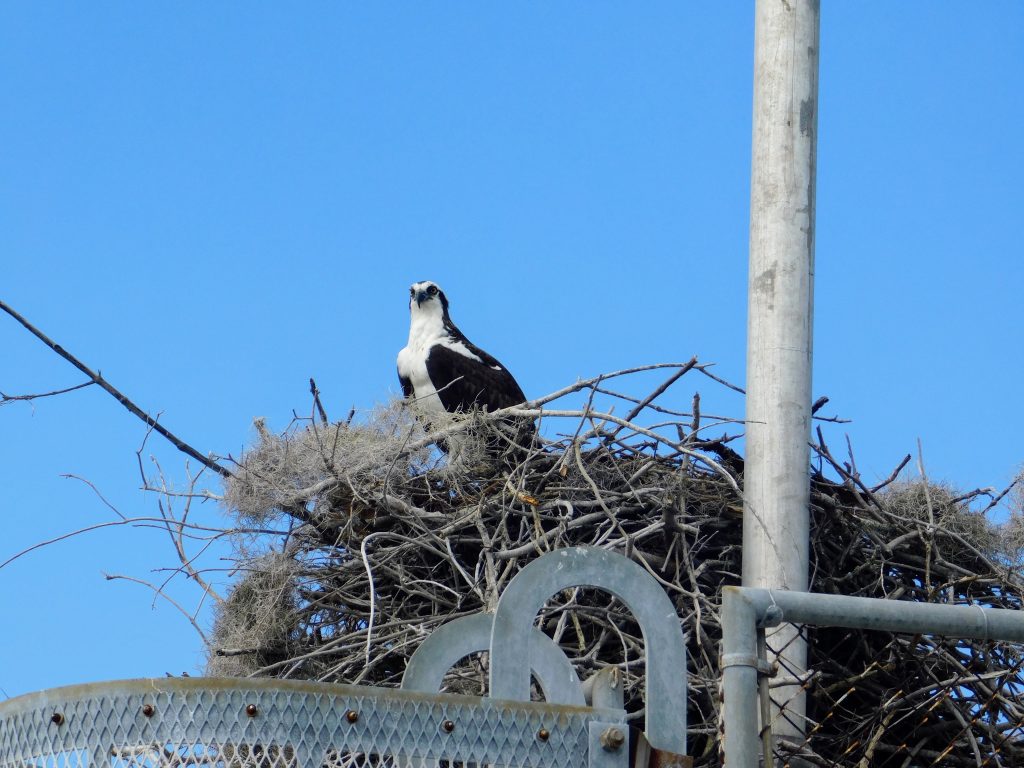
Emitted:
pixel 746 610
pixel 659 622
pixel 235 723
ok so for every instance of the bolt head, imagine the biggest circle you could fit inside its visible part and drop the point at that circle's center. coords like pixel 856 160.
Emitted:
pixel 251 710
pixel 148 710
pixel 351 716
pixel 57 718
pixel 612 739
pixel 543 734
pixel 448 726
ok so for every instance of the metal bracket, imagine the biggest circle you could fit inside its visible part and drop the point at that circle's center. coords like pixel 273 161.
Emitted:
pixel 743 660
pixel 604 689
pixel 453 641
pixel 654 611
pixel 773 616
pixel 609 745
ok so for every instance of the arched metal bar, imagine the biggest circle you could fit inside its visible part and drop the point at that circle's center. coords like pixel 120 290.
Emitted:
pixel 585 566
pixel 449 643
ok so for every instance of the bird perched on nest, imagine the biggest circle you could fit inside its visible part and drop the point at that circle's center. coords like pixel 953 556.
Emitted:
pixel 443 371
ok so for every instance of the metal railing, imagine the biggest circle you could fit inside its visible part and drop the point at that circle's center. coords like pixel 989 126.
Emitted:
pixel 747 612
pixel 227 723
pixel 245 723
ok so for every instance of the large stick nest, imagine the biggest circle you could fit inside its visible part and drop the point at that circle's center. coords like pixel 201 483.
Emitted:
pixel 379 541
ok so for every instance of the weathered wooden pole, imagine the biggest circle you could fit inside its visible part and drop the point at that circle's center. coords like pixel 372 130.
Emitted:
pixel 780 320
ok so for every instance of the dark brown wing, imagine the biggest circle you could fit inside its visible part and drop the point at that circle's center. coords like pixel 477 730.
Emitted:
pixel 463 383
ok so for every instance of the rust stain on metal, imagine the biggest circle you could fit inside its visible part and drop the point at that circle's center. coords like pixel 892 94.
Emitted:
pixel 661 758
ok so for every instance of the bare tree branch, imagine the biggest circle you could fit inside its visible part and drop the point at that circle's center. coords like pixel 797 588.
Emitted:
pixel 159 592
pixel 176 441
pixel 5 398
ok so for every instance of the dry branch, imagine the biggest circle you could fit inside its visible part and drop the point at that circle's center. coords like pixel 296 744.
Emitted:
pixel 97 378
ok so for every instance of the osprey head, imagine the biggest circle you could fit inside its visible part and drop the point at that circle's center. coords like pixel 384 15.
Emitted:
pixel 427 297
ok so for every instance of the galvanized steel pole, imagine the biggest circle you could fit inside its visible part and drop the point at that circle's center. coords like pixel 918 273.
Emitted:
pixel 780 313
pixel 739 665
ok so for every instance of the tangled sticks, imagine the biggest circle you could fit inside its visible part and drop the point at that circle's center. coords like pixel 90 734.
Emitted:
pixel 381 541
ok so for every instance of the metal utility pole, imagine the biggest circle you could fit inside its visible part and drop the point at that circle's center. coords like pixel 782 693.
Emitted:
pixel 780 321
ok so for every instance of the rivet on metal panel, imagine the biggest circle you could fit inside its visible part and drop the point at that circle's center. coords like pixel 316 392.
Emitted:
pixel 612 739
pixel 447 726
pixel 57 718
pixel 351 716
pixel 543 734
pixel 251 710
pixel 148 710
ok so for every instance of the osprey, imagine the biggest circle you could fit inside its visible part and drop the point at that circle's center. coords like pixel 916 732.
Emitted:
pixel 441 370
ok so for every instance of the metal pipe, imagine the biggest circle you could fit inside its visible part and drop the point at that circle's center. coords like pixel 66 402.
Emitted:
pixel 967 621
pixel 739 679
pixel 744 610
pixel 779 338
pixel 780 313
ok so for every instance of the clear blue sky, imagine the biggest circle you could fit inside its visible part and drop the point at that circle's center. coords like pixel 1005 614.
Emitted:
pixel 212 203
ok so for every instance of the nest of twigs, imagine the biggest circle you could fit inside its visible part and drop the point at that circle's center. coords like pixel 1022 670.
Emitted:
pixel 379 540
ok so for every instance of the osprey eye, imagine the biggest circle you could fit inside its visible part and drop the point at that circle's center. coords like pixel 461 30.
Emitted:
pixel 432 290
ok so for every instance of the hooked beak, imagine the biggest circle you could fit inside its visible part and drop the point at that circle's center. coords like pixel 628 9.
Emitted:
pixel 421 297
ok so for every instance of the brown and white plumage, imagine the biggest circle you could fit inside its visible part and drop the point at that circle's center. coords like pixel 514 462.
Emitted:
pixel 441 370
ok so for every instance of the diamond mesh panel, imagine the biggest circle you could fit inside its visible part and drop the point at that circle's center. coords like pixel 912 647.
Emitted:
pixel 181 722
